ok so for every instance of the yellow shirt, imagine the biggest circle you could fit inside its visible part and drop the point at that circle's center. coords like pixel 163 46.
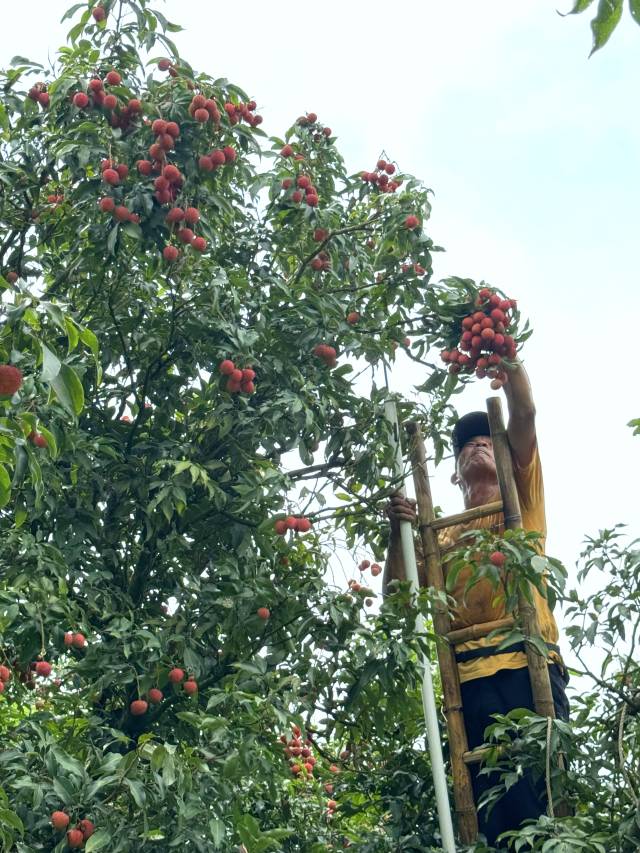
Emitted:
pixel 478 605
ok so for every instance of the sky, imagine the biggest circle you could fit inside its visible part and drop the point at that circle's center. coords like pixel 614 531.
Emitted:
pixel 532 150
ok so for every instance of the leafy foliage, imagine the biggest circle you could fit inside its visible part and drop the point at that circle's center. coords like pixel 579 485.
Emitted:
pixel 145 519
pixel 607 18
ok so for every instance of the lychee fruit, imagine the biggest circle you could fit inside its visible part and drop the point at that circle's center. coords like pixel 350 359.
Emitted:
pixel 138 707
pixel 10 380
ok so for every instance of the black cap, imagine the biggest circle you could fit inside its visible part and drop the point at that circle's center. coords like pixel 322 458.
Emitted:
pixel 470 425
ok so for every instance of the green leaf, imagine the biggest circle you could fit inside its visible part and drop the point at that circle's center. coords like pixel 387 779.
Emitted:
pixel 605 22
pixel 98 841
pixel 137 791
pixel 72 333
pixel 217 831
pixel 89 339
pixel 50 364
pixel 12 820
pixel 5 486
pixel 579 6
pixel 634 8
pixel 68 390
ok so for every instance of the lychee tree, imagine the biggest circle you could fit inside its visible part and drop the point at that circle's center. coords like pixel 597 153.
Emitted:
pixel 187 300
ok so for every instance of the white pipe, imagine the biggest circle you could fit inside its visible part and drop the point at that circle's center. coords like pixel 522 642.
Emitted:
pixel 428 698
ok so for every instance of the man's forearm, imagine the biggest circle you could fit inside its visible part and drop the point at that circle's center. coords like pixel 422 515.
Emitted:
pixel 394 564
pixel 519 394
pixel 521 428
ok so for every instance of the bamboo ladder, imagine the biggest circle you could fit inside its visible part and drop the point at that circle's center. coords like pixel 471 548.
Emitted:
pixel 460 755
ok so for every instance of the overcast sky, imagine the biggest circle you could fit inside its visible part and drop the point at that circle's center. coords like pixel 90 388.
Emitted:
pixel 532 151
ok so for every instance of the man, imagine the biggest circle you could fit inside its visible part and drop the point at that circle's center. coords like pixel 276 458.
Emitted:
pixel 493 681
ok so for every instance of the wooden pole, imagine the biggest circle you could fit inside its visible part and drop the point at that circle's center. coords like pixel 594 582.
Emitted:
pixel 458 744
pixel 538 669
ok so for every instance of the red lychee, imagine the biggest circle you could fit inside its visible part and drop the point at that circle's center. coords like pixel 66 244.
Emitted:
pixel 170 253
pixel 59 820
pixel 80 100
pixel 186 235
pixel 199 244
pixel 411 222
pixel 498 559
pixel 75 839
pixel 138 707
pixel 43 668
pixel 10 380
pixel 191 215
pixel 110 176
pixel 155 696
pixel 190 687
pixel 113 78
pixel 176 675
pixel 86 827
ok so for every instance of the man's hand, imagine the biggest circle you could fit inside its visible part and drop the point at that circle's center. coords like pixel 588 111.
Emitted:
pixel 400 509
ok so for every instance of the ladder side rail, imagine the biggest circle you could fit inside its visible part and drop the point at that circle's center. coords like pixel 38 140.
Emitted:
pixel 458 744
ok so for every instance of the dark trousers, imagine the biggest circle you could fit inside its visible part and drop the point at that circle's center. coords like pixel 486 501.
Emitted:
pixel 498 694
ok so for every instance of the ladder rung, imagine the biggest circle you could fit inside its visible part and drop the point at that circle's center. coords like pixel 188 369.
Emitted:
pixel 475 756
pixel 475 632
pixel 467 515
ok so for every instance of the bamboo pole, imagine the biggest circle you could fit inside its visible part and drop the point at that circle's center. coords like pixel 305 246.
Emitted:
pixel 475 632
pixel 458 744
pixel 538 669
pixel 468 515
pixel 428 698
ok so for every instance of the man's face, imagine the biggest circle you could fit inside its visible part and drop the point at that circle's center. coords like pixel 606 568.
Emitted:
pixel 476 461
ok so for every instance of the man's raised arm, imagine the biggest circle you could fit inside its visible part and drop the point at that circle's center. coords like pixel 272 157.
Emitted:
pixel 521 428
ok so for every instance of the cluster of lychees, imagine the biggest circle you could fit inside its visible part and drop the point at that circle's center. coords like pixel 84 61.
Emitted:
pixel 38 93
pixel 299 752
pixel 237 379
pixel 75 639
pixel 237 112
pixel 216 158
pixel 97 97
pixel 139 707
pixel 75 837
pixel 204 109
pixel 380 177
pixel 375 567
pixel 484 342
pixel 298 524
pixel 302 761
pixel 304 188
pixel 191 215
pixel 327 354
